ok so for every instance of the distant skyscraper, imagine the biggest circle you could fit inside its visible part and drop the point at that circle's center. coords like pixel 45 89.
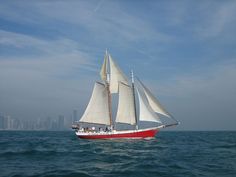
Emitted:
pixel 11 124
pixel 54 125
pixel 1 122
pixel 68 122
pixel 48 123
pixel 75 117
pixel 6 123
pixel 16 124
pixel 61 122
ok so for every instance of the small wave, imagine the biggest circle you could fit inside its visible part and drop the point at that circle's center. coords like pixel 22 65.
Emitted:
pixel 233 146
pixel 59 173
pixel 31 152
pixel 64 174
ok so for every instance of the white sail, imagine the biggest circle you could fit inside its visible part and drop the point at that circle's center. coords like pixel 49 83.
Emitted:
pixel 116 76
pixel 145 111
pixel 126 110
pixel 154 103
pixel 103 72
pixel 97 110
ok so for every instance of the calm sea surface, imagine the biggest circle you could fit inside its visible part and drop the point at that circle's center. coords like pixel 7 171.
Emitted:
pixel 183 154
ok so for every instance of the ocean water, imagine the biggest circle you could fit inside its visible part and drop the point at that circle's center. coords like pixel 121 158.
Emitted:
pixel 170 154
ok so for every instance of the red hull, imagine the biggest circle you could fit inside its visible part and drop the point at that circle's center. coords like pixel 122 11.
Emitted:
pixel 129 135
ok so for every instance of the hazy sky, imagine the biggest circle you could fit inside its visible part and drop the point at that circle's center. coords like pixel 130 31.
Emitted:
pixel 184 51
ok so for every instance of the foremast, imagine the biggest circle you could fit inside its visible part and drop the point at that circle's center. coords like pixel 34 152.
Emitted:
pixel 109 103
pixel 133 90
pixel 107 83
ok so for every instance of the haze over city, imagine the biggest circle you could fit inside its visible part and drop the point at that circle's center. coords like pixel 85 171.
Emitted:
pixel 184 51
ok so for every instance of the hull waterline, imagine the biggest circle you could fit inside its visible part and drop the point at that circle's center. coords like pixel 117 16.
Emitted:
pixel 128 134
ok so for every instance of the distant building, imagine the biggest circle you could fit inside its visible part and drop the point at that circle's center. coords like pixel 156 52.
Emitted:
pixel 61 122
pixel 75 116
pixel 7 122
pixel 1 122
pixel 15 124
pixel 48 123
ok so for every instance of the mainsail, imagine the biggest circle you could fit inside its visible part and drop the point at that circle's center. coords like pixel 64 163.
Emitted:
pixel 97 110
pixel 145 111
pixel 126 107
pixel 153 102
pixel 116 76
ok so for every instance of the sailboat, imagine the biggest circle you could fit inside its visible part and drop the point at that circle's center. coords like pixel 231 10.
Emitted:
pixel 99 109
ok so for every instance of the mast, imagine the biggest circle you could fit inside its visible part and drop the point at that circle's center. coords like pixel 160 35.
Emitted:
pixel 135 112
pixel 108 91
pixel 109 102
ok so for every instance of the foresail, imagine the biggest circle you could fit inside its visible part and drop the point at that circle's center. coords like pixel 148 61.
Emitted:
pixel 145 111
pixel 103 72
pixel 126 110
pixel 154 103
pixel 116 76
pixel 97 110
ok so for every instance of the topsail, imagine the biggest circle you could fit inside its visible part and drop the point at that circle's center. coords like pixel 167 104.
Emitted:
pixel 116 76
pixel 103 72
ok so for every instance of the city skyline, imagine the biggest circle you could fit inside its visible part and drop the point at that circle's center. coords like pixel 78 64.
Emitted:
pixel 42 123
pixel 184 51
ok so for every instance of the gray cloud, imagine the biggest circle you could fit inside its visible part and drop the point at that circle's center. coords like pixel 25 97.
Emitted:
pixel 217 18
pixel 42 84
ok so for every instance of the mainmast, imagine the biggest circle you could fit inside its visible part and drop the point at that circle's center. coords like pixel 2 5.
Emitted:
pixel 108 90
pixel 133 89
